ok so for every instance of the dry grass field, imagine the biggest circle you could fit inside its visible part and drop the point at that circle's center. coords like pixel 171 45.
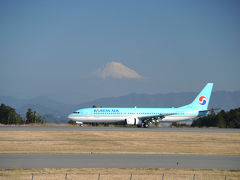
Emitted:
pixel 119 142
pixel 118 174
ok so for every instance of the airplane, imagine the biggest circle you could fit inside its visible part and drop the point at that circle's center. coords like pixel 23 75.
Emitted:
pixel 142 117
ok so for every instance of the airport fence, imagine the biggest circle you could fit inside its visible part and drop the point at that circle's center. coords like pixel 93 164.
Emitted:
pixel 132 177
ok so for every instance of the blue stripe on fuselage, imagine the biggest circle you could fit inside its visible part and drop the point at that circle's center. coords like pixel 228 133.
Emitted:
pixel 136 111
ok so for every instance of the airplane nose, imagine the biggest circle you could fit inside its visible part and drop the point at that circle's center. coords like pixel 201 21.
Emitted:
pixel 70 116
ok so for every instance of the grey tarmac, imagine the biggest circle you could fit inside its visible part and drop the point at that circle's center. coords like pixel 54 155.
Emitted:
pixel 14 161
pixel 151 129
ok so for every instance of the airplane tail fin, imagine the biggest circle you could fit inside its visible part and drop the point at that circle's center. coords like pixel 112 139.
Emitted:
pixel 202 100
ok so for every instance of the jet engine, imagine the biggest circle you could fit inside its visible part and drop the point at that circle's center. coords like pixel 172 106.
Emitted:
pixel 133 121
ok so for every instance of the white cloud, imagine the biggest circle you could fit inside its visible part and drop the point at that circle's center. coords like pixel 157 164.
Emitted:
pixel 118 71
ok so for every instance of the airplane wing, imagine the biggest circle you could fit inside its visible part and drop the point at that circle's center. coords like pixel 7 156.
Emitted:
pixel 155 118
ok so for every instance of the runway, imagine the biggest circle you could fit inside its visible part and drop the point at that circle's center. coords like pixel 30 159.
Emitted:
pixel 153 129
pixel 13 161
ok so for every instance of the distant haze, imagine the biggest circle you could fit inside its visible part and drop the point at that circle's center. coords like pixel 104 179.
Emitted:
pixel 78 51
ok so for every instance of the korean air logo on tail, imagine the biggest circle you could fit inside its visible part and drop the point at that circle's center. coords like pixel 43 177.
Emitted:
pixel 202 100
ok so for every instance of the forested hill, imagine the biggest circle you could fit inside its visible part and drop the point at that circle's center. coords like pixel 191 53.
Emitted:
pixel 230 119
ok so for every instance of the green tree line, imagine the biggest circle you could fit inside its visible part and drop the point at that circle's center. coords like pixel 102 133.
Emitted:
pixel 230 119
pixel 8 115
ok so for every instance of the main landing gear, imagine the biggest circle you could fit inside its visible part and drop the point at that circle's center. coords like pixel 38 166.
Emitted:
pixel 144 125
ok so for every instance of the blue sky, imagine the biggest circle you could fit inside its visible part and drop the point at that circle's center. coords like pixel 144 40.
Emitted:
pixel 54 48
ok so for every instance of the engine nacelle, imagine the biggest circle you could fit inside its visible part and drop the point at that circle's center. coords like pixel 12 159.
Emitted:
pixel 133 121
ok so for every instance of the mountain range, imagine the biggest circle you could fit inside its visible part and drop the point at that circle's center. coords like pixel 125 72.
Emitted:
pixel 56 112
